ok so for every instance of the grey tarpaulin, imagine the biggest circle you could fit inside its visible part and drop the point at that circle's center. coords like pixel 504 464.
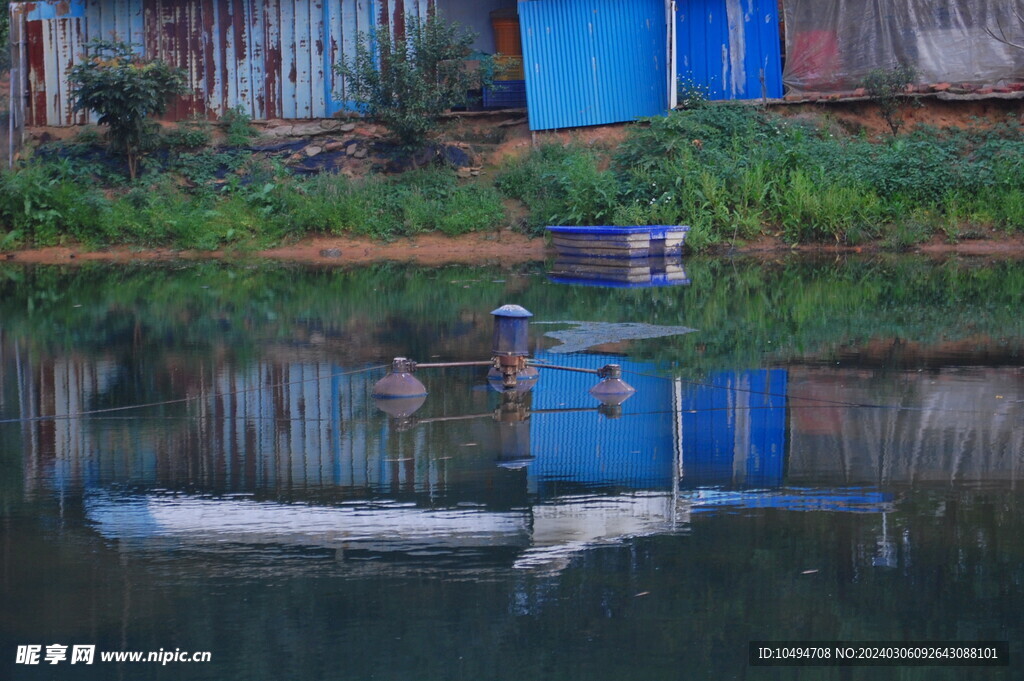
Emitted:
pixel 832 44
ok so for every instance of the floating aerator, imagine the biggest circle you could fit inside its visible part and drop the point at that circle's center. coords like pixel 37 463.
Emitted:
pixel 526 379
pixel 399 382
pixel 612 389
pixel 511 371
pixel 400 407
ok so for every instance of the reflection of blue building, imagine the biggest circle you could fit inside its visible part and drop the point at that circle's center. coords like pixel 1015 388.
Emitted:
pixel 730 430
pixel 586 448
pixel 734 429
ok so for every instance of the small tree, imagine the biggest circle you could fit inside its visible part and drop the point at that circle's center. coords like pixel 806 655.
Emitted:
pixel 406 82
pixel 125 89
pixel 887 87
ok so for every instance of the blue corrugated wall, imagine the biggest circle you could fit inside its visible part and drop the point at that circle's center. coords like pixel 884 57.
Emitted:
pixel 590 62
pixel 730 48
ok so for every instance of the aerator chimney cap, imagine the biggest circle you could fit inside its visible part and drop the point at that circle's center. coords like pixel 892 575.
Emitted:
pixel 511 311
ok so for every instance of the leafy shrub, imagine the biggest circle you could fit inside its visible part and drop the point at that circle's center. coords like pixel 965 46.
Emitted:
pixel 41 206
pixel 5 36
pixel 714 128
pixel 82 159
pixel 917 170
pixel 406 82
pixel 561 186
pixel 124 89
pixel 887 88
pixel 690 94
pixel 205 167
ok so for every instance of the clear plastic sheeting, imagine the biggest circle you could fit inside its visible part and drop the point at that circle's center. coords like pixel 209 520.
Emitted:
pixel 831 45
pixel 586 335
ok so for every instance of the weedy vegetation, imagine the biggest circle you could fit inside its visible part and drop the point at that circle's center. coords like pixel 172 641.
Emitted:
pixel 730 171
pixel 211 198
pixel 238 128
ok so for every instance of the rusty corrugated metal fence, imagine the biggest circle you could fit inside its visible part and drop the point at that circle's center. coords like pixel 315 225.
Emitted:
pixel 272 58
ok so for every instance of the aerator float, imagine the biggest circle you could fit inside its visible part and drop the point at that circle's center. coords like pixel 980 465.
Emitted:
pixel 512 371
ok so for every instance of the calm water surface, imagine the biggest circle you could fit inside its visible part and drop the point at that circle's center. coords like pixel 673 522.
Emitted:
pixel 834 453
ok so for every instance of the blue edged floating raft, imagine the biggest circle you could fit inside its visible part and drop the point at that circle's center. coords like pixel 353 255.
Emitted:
pixel 619 242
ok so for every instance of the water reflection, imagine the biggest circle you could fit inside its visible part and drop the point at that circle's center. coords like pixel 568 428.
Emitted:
pixel 957 424
pixel 317 464
pixel 619 272
pixel 751 488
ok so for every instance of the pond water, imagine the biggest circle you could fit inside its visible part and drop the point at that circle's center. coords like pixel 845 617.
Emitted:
pixel 822 450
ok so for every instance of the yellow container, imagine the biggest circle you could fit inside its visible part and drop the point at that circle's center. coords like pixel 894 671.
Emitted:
pixel 508 67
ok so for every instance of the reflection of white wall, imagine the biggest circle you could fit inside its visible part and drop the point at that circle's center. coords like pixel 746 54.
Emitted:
pixel 962 424
pixel 546 536
pixel 551 532
pixel 574 523
pixel 475 15
pixel 386 526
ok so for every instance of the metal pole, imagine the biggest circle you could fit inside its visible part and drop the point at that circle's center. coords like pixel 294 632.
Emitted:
pixel 540 365
pixel 446 365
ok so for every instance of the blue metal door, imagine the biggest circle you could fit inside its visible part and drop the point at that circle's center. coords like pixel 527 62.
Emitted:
pixel 730 49
pixel 590 62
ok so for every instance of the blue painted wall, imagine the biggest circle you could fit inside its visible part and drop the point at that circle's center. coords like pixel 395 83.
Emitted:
pixel 725 47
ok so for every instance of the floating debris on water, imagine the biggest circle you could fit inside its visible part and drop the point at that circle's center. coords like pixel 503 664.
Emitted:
pixel 586 335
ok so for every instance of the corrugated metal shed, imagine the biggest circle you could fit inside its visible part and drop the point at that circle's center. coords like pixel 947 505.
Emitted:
pixel 272 58
pixel 590 62
pixel 730 47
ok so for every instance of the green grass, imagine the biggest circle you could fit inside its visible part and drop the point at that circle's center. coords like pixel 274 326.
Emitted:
pixel 730 171
pixel 48 202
